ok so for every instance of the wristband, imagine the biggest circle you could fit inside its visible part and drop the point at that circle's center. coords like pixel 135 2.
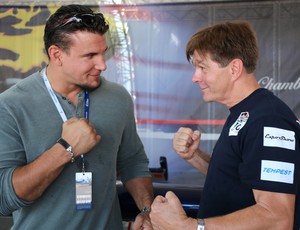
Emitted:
pixel 200 224
pixel 67 147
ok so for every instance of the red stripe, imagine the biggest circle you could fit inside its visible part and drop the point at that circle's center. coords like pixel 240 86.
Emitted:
pixel 182 122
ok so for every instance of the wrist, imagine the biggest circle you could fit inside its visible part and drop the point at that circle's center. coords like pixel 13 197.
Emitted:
pixel 191 158
pixel 200 224
pixel 145 210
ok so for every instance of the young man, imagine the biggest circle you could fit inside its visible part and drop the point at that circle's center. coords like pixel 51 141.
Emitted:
pixel 253 174
pixel 66 132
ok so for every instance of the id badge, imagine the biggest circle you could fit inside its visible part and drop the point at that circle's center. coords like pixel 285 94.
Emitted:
pixel 83 190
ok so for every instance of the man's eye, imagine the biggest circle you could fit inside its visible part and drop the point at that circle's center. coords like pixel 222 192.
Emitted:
pixel 89 56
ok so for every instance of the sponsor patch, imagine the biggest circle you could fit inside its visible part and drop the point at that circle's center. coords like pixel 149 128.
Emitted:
pixel 277 171
pixel 239 124
pixel 282 138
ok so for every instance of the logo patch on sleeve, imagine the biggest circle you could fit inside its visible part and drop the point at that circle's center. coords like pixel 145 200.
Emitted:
pixel 282 138
pixel 277 171
pixel 239 124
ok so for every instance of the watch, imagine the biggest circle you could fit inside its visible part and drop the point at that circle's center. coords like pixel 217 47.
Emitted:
pixel 145 209
pixel 67 147
pixel 200 224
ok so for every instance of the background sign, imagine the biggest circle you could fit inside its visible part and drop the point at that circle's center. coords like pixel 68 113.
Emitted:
pixel 147 56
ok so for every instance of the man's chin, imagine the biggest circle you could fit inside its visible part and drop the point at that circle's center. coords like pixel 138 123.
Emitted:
pixel 90 87
pixel 206 99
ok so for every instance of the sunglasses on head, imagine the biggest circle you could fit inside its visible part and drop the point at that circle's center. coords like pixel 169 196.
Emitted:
pixel 86 19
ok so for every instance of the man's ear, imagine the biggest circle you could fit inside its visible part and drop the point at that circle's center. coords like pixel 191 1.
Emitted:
pixel 236 68
pixel 55 54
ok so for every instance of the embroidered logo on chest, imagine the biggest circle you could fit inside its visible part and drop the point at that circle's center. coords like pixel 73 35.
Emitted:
pixel 239 124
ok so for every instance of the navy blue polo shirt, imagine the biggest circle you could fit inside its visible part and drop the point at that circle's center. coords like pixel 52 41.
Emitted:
pixel 257 149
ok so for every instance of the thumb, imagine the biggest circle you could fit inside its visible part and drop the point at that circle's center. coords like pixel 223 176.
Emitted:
pixel 175 203
pixel 196 135
pixel 159 199
pixel 172 198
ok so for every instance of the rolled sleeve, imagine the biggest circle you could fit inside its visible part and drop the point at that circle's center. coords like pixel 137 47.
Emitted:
pixel 12 155
pixel 9 200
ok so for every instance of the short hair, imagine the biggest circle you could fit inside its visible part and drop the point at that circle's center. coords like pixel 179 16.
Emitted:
pixel 225 42
pixel 69 19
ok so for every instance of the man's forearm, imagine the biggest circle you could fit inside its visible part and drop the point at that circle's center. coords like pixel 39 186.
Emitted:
pixel 141 189
pixel 31 180
pixel 274 211
pixel 200 161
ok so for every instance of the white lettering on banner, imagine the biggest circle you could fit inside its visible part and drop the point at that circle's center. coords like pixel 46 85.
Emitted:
pixel 277 171
pixel 275 137
pixel 239 124
pixel 270 84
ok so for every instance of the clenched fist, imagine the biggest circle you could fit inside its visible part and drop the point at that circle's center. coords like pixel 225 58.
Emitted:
pixel 80 134
pixel 186 142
